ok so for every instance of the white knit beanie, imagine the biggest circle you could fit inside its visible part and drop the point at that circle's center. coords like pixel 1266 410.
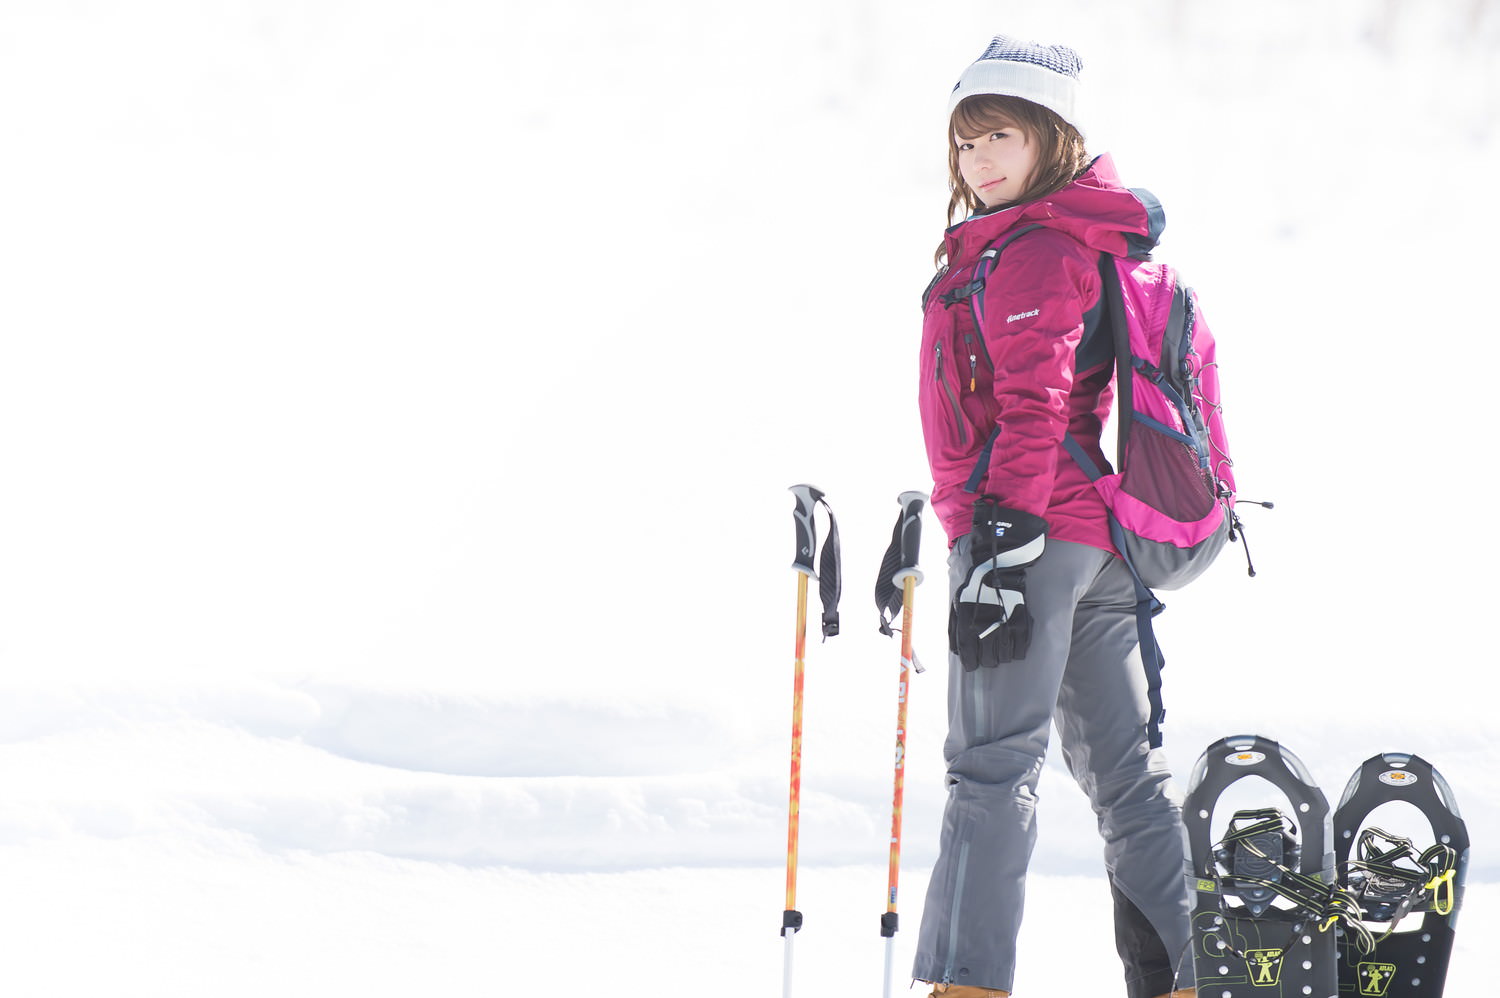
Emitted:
pixel 1043 74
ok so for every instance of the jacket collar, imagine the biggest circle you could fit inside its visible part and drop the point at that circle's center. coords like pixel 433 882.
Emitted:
pixel 1095 209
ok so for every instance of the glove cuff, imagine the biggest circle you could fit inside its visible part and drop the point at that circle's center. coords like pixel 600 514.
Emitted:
pixel 1005 537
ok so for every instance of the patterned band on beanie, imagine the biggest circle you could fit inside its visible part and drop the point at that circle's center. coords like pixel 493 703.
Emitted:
pixel 1058 58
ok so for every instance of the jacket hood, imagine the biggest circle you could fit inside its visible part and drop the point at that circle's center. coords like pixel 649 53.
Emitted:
pixel 1094 209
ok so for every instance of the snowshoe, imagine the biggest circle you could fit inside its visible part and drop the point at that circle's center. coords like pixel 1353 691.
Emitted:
pixel 1391 876
pixel 1265 894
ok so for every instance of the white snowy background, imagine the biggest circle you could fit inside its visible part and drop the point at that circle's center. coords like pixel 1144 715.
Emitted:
pixel 397 406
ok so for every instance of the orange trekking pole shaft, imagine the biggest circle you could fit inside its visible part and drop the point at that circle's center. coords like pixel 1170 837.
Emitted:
pixel 899 568
pixel 808 497
pixel 793 919
pixel 908 591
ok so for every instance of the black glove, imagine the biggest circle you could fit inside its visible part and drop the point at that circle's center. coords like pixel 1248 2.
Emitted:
pixel 988 623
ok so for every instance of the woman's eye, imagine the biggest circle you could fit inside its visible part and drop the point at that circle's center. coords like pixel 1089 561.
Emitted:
pixel 998 135
pixel 965 146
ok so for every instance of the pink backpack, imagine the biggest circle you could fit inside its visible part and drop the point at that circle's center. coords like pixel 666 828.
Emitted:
pixel 1171 499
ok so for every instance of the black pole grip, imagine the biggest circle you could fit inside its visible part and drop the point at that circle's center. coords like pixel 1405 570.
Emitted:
pixel 899 562
pixel 807 537
pixel 912 504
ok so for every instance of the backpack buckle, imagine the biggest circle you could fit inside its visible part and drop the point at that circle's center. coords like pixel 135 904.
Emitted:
pixel 956 295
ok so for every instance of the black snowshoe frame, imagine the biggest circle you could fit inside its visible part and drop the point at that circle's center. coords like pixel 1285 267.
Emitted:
pixel 1391 879
pixel 1244 944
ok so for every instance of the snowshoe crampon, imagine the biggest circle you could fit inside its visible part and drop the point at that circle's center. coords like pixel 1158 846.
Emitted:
pixel 1392 876
pixel 1265 895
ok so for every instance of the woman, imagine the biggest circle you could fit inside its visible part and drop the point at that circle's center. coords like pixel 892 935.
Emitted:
pixel 1042 627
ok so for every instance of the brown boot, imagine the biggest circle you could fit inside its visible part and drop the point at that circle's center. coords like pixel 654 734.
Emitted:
pixel 966 991
pixel 1182 993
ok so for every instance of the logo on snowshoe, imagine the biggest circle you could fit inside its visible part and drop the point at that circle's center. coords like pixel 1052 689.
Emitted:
pixel 1245 758
pixel 1264 966
pixel 1398 778
pixel 1374 978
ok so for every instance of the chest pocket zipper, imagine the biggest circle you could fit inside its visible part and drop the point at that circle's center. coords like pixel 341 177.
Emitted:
pixel 958 416
pixel 970 342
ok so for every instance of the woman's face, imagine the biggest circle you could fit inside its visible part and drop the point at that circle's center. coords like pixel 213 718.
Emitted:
pixel 996 166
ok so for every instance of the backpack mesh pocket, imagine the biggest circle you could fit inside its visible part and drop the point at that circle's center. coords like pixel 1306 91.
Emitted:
pixel 1163 472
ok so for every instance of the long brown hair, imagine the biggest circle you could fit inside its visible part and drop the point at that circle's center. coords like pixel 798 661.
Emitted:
pixel 1061 156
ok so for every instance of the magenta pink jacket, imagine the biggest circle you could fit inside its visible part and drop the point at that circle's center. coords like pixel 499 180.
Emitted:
pixel 1001 364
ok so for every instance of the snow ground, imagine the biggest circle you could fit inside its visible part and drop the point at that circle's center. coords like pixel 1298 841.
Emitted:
pixel 246 837
pixel 399 401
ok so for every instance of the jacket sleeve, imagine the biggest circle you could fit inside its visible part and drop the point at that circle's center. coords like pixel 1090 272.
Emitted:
pixel 1034 305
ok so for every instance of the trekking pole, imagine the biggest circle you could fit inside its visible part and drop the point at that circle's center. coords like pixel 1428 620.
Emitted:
pixel 807 498
pixel 899 568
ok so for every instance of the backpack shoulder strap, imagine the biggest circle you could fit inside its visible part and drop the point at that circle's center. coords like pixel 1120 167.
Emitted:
pixel 982 270
pixel 1112 296
pixel 985 266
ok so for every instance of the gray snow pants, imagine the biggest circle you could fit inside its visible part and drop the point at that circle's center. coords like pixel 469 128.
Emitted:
pixel 1083 671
